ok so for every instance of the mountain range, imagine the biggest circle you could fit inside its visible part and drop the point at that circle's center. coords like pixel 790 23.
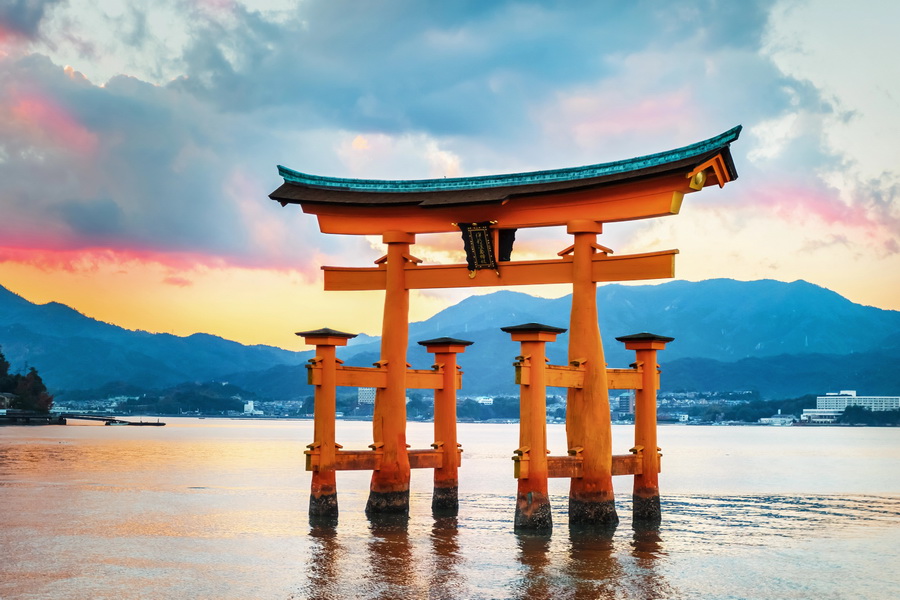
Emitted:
pixel 779 339
pixel 71 350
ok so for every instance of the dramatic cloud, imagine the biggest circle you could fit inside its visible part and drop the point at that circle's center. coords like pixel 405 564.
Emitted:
pixel 23 17
pixel 134 166
pixel 135 134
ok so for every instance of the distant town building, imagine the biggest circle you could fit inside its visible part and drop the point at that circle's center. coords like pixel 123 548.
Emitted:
pixel 845 398
pixel 779 419
pixel 623 404
pixel 249 408
pixel 365 395
pixel 678 417
pixel 831 406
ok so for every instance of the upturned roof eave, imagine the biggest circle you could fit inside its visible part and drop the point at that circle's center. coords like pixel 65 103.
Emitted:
pixel 289 193
pixel 301 188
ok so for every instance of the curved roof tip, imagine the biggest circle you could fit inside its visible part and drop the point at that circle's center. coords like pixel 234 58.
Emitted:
pixel 700 149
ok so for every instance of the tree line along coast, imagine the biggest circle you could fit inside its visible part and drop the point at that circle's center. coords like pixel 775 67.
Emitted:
pixel 23 391
pixel 27 392
pixel 227 400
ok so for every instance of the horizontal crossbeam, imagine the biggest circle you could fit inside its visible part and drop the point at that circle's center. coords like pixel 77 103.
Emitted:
pixel 370 460
pixel 631 267
pixel 573 377
pixel 624 379
pixel 572 466
pixel 376 377
pixel 560 376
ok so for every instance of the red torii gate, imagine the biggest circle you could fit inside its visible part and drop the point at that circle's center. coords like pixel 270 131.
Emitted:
pixel 487 209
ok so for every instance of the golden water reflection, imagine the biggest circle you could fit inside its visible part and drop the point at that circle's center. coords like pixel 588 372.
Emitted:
pixel 388 560
pixel 220 511
pixel 592 564
pixel 446 558
pixel 534 555
pixel 323 572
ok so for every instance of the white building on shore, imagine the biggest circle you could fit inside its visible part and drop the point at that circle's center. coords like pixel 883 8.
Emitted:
pixel 250 409
pixel 779 420
pixel 831 406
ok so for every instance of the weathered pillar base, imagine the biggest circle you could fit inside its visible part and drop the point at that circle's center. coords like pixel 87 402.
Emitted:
pixel 533 513
pixel 388 503
pixel 323 505
pixel 322 524
pixel 593 513
pixel 587 541
pixel 646 510
pixel 445 501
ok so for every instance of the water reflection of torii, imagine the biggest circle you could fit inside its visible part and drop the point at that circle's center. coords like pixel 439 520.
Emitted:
pixel 488 210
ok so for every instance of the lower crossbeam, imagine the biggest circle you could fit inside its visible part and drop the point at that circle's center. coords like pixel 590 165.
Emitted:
pixel 571 466
pixel 370 460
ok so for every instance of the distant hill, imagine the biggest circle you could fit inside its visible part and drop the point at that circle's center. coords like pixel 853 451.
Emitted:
pixel 72 351
pixel 721 319
pixel 781 339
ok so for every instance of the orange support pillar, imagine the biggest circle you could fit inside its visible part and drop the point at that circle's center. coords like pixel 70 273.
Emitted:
pixel 646 508
pixel 532 500
pixel 389 489
pixel 588 425
pixel 323 493
pixel 445 501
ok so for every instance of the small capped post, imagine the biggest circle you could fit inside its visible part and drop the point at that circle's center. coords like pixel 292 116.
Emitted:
pixel 320 457
pixel 532 500
pixel 445 501
pixel 646 511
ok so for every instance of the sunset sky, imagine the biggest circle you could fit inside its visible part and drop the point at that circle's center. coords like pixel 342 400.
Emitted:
pixel 138 145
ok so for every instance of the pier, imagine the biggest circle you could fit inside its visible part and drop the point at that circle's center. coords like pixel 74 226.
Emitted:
pixel 24 417
pixel 21 417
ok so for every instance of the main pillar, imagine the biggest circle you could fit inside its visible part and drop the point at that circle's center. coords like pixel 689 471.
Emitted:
pixel 323 491
pixel 445 501
pixel 389 490
pixel 588 425
pixel 532 498
pixel 646 511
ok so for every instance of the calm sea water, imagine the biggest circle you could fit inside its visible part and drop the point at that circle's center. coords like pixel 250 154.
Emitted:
pixel 217 509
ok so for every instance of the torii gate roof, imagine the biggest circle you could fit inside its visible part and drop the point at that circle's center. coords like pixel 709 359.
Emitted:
pixel 372 206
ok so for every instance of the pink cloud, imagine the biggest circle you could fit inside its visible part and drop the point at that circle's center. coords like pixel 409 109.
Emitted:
pixel 222 7
pixel 6 34
pixel 92 259
pixel 817 206
pixel 614 117
pixel 604 115
pixel 89 259
pixel 797 203
pixel 178 281
pixel 42 117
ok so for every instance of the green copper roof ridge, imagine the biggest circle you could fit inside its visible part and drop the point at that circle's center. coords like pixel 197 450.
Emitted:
pixel 446 184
